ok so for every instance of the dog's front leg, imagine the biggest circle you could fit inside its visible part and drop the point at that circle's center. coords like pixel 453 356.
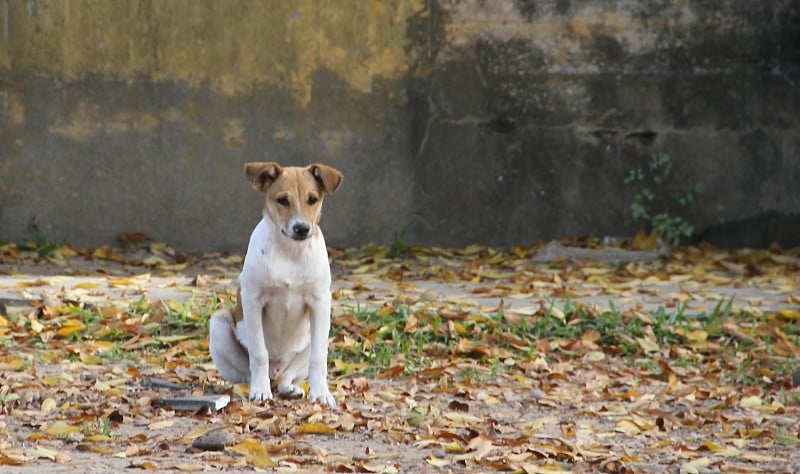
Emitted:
pixel 318 364
pixel 252 314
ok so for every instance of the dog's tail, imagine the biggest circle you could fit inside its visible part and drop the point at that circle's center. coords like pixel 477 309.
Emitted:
pixel 229 355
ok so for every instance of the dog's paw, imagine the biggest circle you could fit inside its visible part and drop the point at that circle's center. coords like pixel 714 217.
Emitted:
pixel 260 395
pixel 259 390
pixel 290 391
pixel 322 395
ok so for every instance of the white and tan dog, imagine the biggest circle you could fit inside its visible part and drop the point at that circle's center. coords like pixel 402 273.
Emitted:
pixel 279 328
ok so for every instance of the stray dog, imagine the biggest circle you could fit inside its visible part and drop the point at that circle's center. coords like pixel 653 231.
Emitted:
pixel 279 328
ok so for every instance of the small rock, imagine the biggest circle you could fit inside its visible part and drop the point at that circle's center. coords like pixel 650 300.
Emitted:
pixel 214 402
pixel 214 440
pixel 158 383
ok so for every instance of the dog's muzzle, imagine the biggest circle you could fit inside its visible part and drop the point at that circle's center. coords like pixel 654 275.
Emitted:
pixel 298 231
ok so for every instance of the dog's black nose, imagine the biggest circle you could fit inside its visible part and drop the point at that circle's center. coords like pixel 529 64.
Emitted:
pixel 300 230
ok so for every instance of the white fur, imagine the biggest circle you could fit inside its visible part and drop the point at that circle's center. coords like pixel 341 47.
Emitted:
pixel 280 279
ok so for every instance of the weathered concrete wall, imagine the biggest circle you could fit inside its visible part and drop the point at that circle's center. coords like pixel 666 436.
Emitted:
pixel 456 122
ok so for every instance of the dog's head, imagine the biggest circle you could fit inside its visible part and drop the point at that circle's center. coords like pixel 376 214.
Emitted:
pixel 293 194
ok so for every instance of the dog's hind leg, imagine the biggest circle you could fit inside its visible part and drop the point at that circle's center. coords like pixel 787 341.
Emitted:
pixel 293 374
pixel 228 354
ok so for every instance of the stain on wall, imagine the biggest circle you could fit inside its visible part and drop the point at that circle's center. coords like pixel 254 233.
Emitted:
pixel 232 48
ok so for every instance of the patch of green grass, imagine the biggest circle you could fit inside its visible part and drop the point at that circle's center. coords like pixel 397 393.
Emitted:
pixel 399 249
pixel 106 427
pixel 140 308
pixel 789 399
pixel 88 316
pixel 613 327
pixel 786 437
pixel 649 365
pixel 117 354
pixel 745 371
pixel 416 338
pixel 683 362
pixel 41 244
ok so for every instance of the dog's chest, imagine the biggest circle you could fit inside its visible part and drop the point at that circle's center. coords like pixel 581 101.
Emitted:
pixel 290 276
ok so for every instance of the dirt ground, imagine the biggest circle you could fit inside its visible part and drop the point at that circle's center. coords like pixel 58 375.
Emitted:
pixel 529 406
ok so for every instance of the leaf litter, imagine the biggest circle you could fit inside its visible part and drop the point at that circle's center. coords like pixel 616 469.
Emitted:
pixel 473 359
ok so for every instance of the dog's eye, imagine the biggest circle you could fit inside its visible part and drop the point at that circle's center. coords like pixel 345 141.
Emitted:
pixel 312 200
pixel 283 201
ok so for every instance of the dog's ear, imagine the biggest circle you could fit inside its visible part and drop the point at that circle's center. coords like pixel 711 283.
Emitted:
pixel 261 175
pixel 329 179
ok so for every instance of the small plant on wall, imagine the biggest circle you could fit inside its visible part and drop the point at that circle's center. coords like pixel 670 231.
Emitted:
pixel 653 184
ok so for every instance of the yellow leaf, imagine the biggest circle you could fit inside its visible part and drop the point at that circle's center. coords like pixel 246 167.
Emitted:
pixel 438 462
pixel 788 313
pixel 346 421
pixel 190 467
pixel 42 452
pixel 120 282
pixel 175 338
pixel 751 402
pixel 50 381
pixel 628 427
pixel 158 425
pixel 61 429
pixel 544 469
pixel 597 356
pixel 647 345
pixel 346 367
pixel 454 447
pixel 316 428
pixel 232 260
pixel 379 467
pixel 490 400
pixel 556 313
pixel 106 385
pixel 9 458
pixel 463 419
pixel 70 327
pixel 248 446
pixel 697 336
pixel 174 266
pixel 460 329
pixel 36 326
pixel 711 446
pixel 29 284
pixel 753 457
pixel 158 247
pixel 67 251
pixel 90 359
pixel 87 285
pixel 48 405
pixel 694 466
pixel 106 253
pixel 645 241
pixel 257 454
pixel 241 390
pixel 154 260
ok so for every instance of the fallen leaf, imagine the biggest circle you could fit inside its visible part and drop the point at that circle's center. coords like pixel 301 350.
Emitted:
pixel 316 428
pixel 751 402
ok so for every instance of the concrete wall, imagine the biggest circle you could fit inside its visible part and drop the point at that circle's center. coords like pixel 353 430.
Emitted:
pixel 454 121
